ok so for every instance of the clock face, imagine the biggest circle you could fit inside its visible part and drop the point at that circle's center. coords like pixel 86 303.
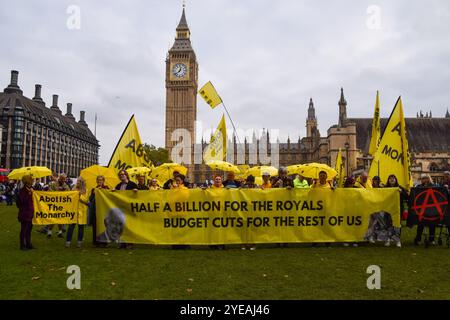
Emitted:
pixel 179 70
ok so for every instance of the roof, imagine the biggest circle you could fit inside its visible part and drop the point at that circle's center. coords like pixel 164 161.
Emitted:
pixel 183 22
pixel 424 134
pixel 37 112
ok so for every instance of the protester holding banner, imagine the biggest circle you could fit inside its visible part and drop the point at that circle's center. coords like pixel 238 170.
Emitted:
pixel 26 211
pixel 376 182
pixel 141 183
pixel 426 182
pixel 392 182
pixel 350 182
pixel 300 182
pixel 266 181
pixel 60 185
pixel 168 184
pixel 322 182
pixel 363 181
pixel 217 182
pixel 282 181
pixel 154 185
pixel 231 182
pixel 82 214
pixel 250 183
pixel 179 182
pixel 125 182
pixel 92 209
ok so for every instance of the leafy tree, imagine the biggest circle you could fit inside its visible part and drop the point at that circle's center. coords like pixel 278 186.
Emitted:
pixel 158 156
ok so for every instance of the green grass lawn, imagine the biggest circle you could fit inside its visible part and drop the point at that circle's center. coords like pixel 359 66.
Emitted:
pixel 151 272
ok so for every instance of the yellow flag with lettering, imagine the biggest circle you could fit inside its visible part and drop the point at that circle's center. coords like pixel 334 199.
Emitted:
pixel 340 169
pixel 210 95
pixel 217 148
pixel 392 156
pixel 375 139
pixel 57 207
pixel 129 152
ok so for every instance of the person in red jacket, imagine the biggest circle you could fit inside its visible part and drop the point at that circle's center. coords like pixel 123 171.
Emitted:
pixel 26 211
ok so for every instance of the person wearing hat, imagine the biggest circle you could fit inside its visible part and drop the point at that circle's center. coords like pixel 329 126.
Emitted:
pixel 300 182
pixel 266 181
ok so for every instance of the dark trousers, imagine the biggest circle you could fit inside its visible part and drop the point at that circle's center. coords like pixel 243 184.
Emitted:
pixel 421 227
pixel 9 200
pixel 94 227
pixel 25 234
pixel 72 228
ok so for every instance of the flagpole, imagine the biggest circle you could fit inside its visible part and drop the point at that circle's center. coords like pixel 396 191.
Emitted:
pixel 232 123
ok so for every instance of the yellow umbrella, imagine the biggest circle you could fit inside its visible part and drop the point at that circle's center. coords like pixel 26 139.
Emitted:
pixel 91 173
pixel 243 168
pixel 294 169
pixel 222 165
pixel 35 172
pixel 133 172
pixel 259 170
pixel 311 170
pixel 165 171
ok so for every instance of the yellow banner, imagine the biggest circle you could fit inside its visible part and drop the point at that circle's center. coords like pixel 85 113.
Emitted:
pixel 129 152
pixel 236 216
pixel 376 128
pixel 55 207
pixel 340 170
pixel 217 148
pixel 210 95
pixel 392 156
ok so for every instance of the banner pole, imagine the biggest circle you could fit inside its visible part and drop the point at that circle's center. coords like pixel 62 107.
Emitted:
pixel 232 123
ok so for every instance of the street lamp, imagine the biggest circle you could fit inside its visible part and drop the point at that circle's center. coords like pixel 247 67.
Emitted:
pixel 347 146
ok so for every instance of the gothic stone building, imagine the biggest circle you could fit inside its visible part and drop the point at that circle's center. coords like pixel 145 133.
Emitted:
pixel 34 135
pixel 428 137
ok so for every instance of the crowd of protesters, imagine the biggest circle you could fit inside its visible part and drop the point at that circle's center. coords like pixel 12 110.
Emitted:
pixel 381 227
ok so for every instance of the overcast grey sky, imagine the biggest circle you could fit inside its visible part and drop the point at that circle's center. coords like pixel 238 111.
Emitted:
pixel 266 58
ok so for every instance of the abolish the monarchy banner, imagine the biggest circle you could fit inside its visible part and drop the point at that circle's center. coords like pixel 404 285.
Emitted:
pixel 222 216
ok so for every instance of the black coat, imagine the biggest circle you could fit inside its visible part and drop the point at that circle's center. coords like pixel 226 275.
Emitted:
pixel 130 186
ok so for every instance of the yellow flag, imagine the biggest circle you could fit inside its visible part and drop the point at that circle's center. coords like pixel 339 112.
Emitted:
pixel 340 170
pixel 375 139
pixel 129 152
pixel 210 95
pixel 392 156
pixel 217 148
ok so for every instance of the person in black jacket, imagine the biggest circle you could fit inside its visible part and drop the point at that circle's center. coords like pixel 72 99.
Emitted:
pixel 125 184
pixel 426 182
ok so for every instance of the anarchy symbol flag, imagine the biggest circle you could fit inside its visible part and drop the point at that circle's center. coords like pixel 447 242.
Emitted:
pixel 428 205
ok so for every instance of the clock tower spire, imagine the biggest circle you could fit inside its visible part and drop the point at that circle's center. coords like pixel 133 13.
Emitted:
pixel 181 96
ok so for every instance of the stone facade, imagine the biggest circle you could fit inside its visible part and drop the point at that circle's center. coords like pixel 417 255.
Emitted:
pixel 34 135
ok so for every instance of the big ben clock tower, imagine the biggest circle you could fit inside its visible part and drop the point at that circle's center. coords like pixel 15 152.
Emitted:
pixel 181 92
